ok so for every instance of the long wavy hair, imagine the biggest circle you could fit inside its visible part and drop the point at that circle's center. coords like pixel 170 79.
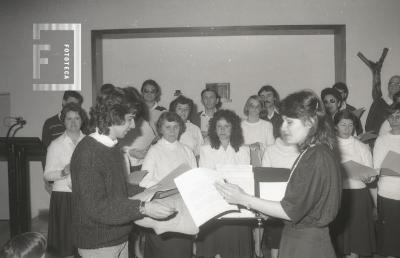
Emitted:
pixel 236 139
pixel 306 106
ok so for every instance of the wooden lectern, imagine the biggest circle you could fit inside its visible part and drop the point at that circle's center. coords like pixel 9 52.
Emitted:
pixel 18 152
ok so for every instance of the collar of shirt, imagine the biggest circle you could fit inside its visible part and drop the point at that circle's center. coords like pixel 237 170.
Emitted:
pixel 154 107
pixel 203 113
pixel 103 139
pixel 69 140
pixel 169 145
pixel 273 113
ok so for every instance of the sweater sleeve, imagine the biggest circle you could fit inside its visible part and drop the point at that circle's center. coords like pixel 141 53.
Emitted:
pixel 97 202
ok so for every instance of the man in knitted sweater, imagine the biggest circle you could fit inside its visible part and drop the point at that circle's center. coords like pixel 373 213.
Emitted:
pixel 102 212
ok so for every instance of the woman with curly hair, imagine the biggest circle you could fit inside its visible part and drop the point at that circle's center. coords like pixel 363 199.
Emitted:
pixel 225 238
pixel 312 197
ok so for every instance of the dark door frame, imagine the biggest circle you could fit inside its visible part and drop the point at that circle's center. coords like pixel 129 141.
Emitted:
pixel 337 30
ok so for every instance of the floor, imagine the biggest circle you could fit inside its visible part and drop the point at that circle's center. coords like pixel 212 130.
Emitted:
pixel 39 224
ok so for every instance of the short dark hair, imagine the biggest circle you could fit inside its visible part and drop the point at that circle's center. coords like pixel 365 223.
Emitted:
pixel 344 114
pixel 155 85
pixel 106 88
pixel 396 96
pixel 75 108
pixel 170 117
pixel 135 102
pixel 341 86
pixel 306 106
pixel 73 94
pixel 393 108
pixel 183 101
pixel 218 105
pixel 28 244
pixel 331 91
pixel 270 88
pixel 236 139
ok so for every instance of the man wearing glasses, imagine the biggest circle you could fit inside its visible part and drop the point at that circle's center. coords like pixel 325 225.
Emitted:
pixel 379 108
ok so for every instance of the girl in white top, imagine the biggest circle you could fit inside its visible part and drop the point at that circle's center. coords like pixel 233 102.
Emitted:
pixel 388 189
pixel 168 153
pixel 57 169
pixel 257 133
pixel 279 155
pixel 225 147
pixel 192 136
pixel 353 229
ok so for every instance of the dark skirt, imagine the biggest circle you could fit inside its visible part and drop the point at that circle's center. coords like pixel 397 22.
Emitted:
pixel 60 220
pixel 388 227
pixel 305 242
pixel 229 238
pixel 273 232
pixel 168 245
pixel 353 229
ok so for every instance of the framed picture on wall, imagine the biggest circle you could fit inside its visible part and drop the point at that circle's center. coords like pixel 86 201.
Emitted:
pixel 223 89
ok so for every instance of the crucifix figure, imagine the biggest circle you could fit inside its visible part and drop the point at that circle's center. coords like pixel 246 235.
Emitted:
pixel 376 114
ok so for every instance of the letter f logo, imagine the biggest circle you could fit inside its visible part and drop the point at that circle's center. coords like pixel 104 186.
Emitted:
pixel 37 48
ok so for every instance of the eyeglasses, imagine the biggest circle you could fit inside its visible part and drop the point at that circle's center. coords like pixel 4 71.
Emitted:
pixel 333 101
pixel 394 117
pixel 150 91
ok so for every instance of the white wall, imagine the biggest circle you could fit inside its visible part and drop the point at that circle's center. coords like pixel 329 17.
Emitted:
pixel 287 62
pixel 371 25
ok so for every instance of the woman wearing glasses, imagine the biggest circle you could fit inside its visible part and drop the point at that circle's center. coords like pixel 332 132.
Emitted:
pixel 151 92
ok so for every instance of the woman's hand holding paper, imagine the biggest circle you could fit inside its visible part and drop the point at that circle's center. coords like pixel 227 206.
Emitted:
pixel 368 179
pixel 233 193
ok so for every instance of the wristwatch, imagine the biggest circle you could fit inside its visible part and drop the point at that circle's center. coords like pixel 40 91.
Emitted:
pixel 142 208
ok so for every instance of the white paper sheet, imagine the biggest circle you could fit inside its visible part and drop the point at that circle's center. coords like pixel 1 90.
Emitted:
pixel 272 191
pixel 241 175
pixel 200 195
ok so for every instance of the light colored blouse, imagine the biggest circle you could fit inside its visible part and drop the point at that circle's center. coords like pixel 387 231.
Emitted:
pixel 353 149
pixel 192 138
pixel 210 157
pixel 261 131
pixel 280 155
pixel 388 186
pixel 59 155
pixel 162 158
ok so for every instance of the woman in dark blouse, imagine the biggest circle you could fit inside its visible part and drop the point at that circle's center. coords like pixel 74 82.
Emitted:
pixel 312 196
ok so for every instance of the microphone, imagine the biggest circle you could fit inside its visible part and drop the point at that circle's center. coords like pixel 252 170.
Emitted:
pixel 19 120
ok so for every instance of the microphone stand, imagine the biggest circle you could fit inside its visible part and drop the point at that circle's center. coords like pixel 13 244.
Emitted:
pixel 17 122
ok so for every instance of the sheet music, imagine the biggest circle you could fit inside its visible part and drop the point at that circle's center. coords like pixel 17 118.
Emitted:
pixel 358 171
pixel 241 175
pixel 200 195
pixel 168 181
pixel 391 164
